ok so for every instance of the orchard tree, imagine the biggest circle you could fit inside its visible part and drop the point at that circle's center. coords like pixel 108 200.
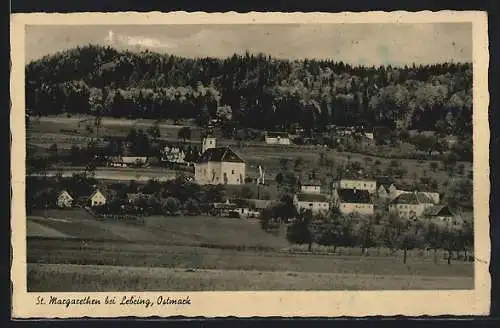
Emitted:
pixel 300 231
pixel 184 133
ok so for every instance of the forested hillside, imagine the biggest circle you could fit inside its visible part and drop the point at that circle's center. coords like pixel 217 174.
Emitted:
pixel 263 92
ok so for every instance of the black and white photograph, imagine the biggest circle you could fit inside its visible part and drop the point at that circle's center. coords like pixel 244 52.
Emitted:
pixel 251 157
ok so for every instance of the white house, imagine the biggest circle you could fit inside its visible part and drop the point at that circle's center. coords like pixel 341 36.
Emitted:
pixel 368 185
pixel 208 143
pixel 277 138
pixel 173 155
pixel 311 188
pixel 411 204
pixel 96 199
pixel 317 203
pixel 64 199
pixel 353 201
pixel 220 166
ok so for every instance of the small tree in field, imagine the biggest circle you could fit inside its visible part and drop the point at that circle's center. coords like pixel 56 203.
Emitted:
pixel 184 133
pixel 171 206
pixel 330 232
pixel 154 131
pixel 366 234
pixel 450 241
pixel 300 231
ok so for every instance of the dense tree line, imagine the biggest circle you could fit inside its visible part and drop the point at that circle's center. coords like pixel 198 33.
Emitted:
pixel 389 231
pixel 263 92
pixel 160 197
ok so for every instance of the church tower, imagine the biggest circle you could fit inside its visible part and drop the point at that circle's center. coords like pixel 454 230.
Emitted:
pixel 208 143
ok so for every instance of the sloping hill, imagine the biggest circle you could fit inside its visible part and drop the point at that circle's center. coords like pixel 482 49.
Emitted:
pixel 202 230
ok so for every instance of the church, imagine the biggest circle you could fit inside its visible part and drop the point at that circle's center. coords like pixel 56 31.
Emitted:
pixel 219 165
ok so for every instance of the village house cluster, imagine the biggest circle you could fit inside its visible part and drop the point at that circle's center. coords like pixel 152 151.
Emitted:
pixel 221 165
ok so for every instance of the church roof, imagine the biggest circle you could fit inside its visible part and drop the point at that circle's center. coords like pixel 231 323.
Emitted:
pixel 355 196
pixel 220 154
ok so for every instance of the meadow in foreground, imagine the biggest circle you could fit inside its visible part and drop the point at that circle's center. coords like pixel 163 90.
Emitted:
pixel 75 278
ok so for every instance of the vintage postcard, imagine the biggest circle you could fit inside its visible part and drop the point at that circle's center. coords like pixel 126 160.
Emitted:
pixel 257 164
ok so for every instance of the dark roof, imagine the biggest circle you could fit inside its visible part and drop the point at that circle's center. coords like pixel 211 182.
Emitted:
pixel 412 198
pixel 303 197
pixel 311 183
pixel 438 210
pixel 220 154
pixel 277 134
pixel 354 196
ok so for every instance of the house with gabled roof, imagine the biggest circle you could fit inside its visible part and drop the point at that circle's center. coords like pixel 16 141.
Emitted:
pixel 97 198
pixel 411 204
pixel 353 201
pixel 358 184
pixel 64 199
pixel 382 192
pixel 317 203
pixel 277 138
pixel 311 187
pixel 441 214
pixel 220 165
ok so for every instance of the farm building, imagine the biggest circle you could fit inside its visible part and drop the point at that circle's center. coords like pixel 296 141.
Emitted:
pixel 250 208
pixel 382 192
pixel 353 201
pixel 277 138
pixel 64 199
pixel 433 195
pixel 96 199
pixel 220 166
pixel 128 161
pixel 368 185
pixel 440 214
pixel 317 203
pixel 313 187
pixel 411 204
pixel 224 208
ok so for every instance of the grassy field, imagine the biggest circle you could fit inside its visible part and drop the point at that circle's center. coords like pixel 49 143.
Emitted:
pixel 218 249
pixel 163 230
pixel 74 278
pixel 91 252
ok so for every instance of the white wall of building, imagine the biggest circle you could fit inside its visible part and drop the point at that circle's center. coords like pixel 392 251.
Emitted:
pixel 213 173
pixel 315 207
pixel 311 189
pixel 405 210
pixel 277 141
pixel 348 208
pixel 368 185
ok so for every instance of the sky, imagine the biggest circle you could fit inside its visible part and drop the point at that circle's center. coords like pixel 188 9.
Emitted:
pixel 357 44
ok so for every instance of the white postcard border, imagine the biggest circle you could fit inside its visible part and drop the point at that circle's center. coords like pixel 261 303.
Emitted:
pixel 250 304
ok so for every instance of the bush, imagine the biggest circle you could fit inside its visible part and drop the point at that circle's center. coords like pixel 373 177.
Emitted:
pixel 171 206
pixel 233 215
